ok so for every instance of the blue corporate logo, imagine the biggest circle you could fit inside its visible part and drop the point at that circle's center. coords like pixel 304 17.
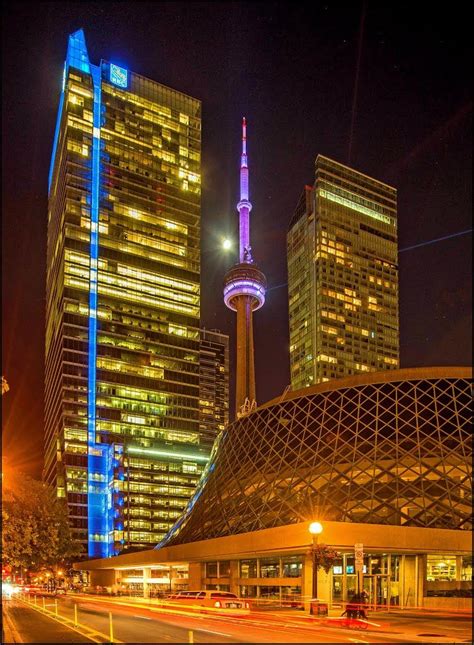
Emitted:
pixel 118 75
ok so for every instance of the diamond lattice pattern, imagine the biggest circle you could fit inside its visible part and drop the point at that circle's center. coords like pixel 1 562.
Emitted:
pixel 396 453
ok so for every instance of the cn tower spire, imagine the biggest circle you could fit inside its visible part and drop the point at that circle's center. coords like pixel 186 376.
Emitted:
pixel 244 206
pixel 244 292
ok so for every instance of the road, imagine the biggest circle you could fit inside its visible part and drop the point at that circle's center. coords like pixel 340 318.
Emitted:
pixel 24 625
pixel 133 623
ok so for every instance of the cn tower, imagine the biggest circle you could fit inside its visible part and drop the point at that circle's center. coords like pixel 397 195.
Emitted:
pixel 244 292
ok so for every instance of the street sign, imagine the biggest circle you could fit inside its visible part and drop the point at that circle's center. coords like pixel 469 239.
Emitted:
pixel 359 556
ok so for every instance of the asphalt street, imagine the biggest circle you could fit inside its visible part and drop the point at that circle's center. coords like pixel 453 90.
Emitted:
pixel 133 623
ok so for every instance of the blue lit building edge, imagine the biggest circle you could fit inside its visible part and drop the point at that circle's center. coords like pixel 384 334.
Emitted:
pixel 100 459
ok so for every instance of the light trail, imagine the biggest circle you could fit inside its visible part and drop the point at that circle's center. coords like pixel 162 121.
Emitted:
pixel 438 239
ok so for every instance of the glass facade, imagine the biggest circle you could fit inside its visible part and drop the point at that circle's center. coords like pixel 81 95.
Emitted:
pixel 342 277
pixel 214 383
pixel 391 448
pixel 122 428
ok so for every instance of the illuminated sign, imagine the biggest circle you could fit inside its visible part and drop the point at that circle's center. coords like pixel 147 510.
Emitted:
pixel 118 76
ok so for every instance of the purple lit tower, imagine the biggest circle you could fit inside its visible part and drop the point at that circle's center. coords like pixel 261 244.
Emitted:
pixel 244 292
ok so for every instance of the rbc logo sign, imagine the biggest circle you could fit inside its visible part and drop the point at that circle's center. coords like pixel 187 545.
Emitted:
pixel 118 76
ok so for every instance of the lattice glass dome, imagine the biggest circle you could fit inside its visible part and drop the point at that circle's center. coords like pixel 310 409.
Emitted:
pixel 384 448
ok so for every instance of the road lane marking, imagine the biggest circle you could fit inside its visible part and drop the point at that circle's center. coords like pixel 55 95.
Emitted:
pixel 143 617
pixel 210 631
pixel 62 620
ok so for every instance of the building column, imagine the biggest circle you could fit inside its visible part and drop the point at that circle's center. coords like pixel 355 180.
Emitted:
pixel 234 577
pixel 307 581
pixel 146 586
pixel 195 575
pixel 409 581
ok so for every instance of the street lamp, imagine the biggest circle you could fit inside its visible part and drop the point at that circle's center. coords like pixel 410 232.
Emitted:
pixel 226 244
pixel 315 528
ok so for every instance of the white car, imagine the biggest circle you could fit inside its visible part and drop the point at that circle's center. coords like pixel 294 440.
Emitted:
pixel 213 601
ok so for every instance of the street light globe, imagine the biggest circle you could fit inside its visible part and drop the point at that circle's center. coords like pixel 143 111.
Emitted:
pixel 315 528
pixel 226 244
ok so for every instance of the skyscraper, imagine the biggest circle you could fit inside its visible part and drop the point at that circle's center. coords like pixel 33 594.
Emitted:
pixel 244 293
pixel 342 277
pixel 213 384
pixel 122 440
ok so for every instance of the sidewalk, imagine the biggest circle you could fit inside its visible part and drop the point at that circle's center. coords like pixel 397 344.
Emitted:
pixel 9 633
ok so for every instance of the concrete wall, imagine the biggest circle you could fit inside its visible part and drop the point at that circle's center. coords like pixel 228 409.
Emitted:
pixel 103 577
pixel 195 576
pixel 294 537
pixel 448 604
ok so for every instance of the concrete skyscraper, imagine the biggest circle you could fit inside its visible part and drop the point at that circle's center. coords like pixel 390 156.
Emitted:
pixel 122 439
pixel 343 277
pixel 244 292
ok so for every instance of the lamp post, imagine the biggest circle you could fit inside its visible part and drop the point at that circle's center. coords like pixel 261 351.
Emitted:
pixel 315 528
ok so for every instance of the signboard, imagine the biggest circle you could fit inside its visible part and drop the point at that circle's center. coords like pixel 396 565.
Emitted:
pixel 118 76
pixel 359 556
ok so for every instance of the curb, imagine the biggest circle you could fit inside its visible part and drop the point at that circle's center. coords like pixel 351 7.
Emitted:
pixel 9 632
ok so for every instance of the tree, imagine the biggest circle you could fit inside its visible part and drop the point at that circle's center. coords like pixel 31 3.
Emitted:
pixel 36 529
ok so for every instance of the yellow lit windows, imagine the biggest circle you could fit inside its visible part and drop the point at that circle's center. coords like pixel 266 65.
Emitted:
pixel 362 367
pixel 80 148
pixel 128 418
pixel 75 99
pixel 441 568
pixel 329 330
pixel 177 330
pixel 129 368
pixel 183 118
pixel 325 358
pixel 77 89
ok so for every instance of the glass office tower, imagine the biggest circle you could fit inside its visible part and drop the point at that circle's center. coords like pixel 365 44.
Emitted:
pixel 214 384
pixel 122 328
pixel 342 277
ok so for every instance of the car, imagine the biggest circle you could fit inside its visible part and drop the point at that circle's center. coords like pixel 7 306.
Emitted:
pixel 211 600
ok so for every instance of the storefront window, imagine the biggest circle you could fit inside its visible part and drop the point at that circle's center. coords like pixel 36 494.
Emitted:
pixel 270 593
pixel 350 564
pixel 270 568
pixel 211 569
pixel 337 591
pixel 224 569
pixel 248 568
pixel 292 566
pixel 466 568
pixel 248 591
pixel 441 567
pixel 395 568
pixel 291 597
pixel 351 584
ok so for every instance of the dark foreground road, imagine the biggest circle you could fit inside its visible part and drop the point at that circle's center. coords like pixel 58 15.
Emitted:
pixel 24 625
pixel 135 623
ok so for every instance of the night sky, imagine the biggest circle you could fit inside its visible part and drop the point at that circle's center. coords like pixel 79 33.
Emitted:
pixel 384 88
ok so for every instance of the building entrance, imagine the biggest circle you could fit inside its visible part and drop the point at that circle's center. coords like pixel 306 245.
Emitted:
pixel 378 590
